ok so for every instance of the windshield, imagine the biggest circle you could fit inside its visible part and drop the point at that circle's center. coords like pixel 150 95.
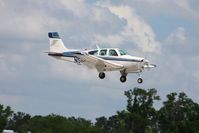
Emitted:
pixel 103 52
pixel 122 52
pixel 112 52
pixel 94 52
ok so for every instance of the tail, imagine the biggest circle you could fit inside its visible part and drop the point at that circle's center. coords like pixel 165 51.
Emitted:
pixel 56 43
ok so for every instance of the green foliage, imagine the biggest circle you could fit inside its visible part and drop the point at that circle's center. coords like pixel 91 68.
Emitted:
pixel 55 123
pixel 18 122
pixel 139 117
pixel 179 114
pixel 142 114
pixel 4 116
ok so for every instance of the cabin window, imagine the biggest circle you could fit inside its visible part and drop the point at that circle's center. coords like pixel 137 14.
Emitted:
pixel 112 52
pixel 94 52
pixel 122 52
pixel 103 52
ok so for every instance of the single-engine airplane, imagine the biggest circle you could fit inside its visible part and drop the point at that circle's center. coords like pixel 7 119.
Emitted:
pixel 102 59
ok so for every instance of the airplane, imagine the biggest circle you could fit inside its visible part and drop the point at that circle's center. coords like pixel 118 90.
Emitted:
pixel 101 59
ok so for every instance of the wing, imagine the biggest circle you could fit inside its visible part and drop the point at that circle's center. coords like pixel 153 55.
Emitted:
pixel 99 63
pixel 89 60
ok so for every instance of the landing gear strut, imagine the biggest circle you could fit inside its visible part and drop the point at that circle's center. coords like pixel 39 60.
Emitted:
pixel 101 75
pixel 123 76
pixel 123 79
pixel 140 80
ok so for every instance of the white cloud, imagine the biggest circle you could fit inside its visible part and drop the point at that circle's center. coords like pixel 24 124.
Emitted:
pixel 116 25
pixel 10 66
pixel 113 40
pixel 2 5
pixel 78 7
pixel 136 31
pixel 27 25
pixel 179 36
pixel 71 71
pixel 33 23
pixel 99 14
pixel 187 8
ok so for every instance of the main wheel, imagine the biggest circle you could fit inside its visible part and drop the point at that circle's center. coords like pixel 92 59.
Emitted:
pixel 140 80
pixel 102 75
pixel 123 79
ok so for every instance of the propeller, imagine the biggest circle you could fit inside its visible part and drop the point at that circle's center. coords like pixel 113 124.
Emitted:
pixel 148 44
pixel 146 63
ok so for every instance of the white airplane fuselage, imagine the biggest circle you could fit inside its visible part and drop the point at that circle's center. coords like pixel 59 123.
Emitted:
pixel 131 64
pixel 102 59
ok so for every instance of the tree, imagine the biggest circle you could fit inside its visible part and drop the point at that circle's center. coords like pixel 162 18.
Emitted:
pixel 55 123
pixel 4 116
pixel 19 122
pixel 111 125
pixel 139 117
pixel 102 124
pixel 179 114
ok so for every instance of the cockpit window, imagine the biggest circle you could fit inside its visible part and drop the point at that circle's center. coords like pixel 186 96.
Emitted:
pixel 122 52
pixel 112 52
pixel 94 52
pixel 103 52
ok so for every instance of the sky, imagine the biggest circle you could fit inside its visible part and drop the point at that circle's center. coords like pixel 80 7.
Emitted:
pixel 166 32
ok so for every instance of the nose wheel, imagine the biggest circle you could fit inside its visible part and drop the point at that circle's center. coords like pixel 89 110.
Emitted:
pixel 123 79
pixel 102 75
pixel 140 80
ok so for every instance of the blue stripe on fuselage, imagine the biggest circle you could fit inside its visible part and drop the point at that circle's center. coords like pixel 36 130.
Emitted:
pixel 120 59
pixel 65 54
pixel 72 54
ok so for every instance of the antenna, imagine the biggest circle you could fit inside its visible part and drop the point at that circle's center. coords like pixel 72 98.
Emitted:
pixel 97 46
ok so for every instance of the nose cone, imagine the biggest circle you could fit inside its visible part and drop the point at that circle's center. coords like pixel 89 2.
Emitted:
pixel 145 61
pixel 146 64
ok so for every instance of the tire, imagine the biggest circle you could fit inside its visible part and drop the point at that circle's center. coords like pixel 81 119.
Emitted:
pixel 102 75
pixel 140 80
pixel 123 79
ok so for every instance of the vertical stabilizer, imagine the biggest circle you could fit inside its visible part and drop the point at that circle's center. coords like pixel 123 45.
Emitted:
pixel 56 43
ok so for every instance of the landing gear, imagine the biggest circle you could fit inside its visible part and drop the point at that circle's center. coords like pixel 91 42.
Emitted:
pixel 123 76
pixel 101 75
pixel 140 80
pixel 123 79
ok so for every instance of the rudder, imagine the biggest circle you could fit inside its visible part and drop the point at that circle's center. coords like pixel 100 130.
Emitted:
pixel 56 43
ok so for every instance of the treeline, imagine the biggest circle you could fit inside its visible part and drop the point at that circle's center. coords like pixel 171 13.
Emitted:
pixel 178 114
